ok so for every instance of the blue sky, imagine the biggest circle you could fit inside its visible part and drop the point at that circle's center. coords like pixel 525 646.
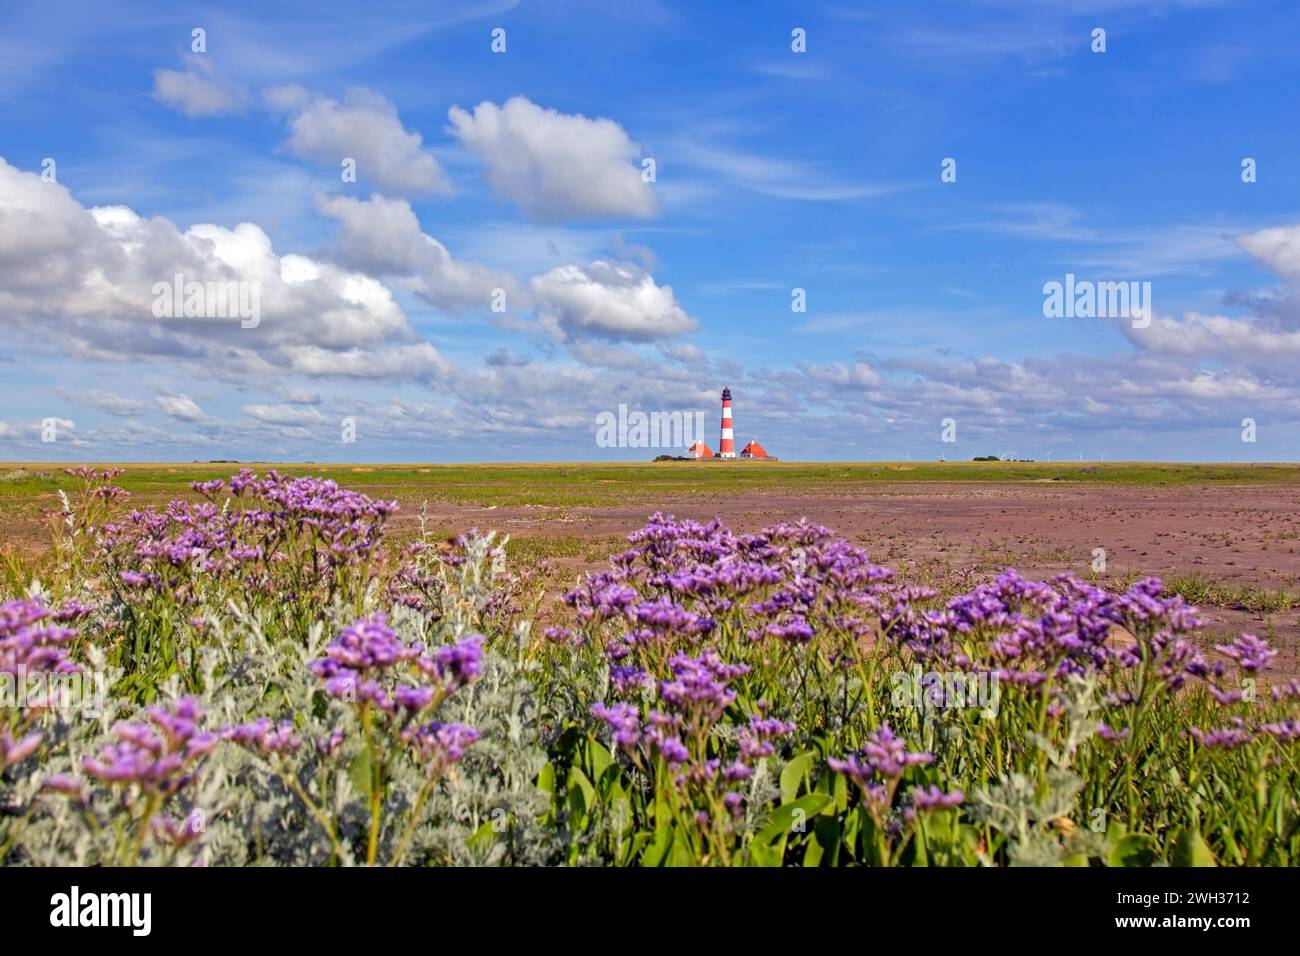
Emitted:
pixel 522 171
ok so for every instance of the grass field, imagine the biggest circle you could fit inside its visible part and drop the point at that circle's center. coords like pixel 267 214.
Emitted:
pixel 588 484
pixel 691 702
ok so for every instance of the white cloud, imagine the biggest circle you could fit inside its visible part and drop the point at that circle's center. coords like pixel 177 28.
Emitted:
pixel 1279 249
pixel 300 396
pixel 383 237
pixel 781 178
pixel 106 401
pixel 193 95
pixel 365 127
pixel 615 300
pixel 284 414
pixel 180 407
pixel 555 165
pixel 83 280
pixel 419 362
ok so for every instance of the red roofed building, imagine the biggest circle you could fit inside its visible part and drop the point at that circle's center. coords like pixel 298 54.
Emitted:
pixel 699 450
pixel 753 450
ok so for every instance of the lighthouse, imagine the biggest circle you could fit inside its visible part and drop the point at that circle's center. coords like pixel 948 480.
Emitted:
pixel 727 444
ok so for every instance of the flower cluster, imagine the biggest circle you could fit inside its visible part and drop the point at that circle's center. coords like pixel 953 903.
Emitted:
pixel 159 755
pixel 283 536
pixel 879 767
pixel 33 638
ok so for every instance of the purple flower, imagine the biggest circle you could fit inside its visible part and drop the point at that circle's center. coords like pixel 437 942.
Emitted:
pixel 888 755
pixel 460 663
pixel 328 745
pixel 1225 738
pixel 160 755
pixel 178 832
pixel 414 699
pixel 264 737
pixel 64 783
pixel 627 679
pixel 1285 732
pixel 32 641
pixel 13 751
pixel 932 798
pixel 1250 652
pixel 440 744
pixel 756 739
pixel 367 644
pixel 624 719
pixel 699 685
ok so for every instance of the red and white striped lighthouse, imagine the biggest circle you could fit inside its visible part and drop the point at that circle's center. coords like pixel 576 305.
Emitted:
pixel 727 444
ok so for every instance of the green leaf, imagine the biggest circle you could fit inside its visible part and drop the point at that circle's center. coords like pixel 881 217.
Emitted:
pixel 794 772
pixel 482 836
pixel 598 758
pixel 582 795
pixel 658 848
pixel 1134 849
pixel 681 854
pixel 359 773
pixel 546 779
pixel 786 816
pixel 1190 849
pixel 813 853
pixel 761 854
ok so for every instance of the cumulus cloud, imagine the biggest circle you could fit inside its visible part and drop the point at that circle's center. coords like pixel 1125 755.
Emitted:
pixel 555 165
pixel 284 414
pixel 195 96
pixel 613 300
pixel 180 407
pixel 105 401
pixel 383 237
pixel 1278 248
pixel 365 127
pixel 94 277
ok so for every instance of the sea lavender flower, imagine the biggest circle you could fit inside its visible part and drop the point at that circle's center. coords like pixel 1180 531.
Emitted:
pixel 159 755
pixel 1225 738
pixel 458 664
pixel 1284 731
pixel 628 679
pixel 66 784
pixel 699 684
pixel 264 737
pixel 932 798
pixel 440 743
pixel 662 735
pixel 756 739
pixel 1250 652
pixel 32 641
pixel 327 745
pixel 625 720
pixel 178 833
pixel 366 644
pixel 888 755
pixel 14 751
